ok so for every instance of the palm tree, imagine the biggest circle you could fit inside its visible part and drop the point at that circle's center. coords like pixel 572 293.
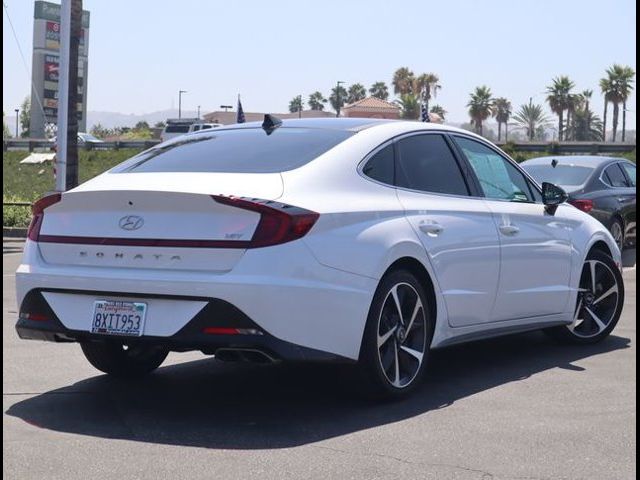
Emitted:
pixel 502 112
pixel 559 99
pixel 295 105
pixel 531 118
pixel 410 106
pixel 618 89
pixel 379 90
pixel 605 87
pixel 480 107
pixel 337 97
pixel 438 110
pixel 587 126
pixel 356 92
pixel 402 81
pixel 575 102
pixel 316 101
pixel 626 80
pixel 427 86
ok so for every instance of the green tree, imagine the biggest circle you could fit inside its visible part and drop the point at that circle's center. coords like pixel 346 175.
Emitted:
pixel 159 124
pixel 409 105
pixel 379 90
pixel 6 133
pixel 606 87
pixel 440 111
pixel 296 104
pixel 403 81
pixel 621 81
pixel 532 119
pixel 338 97
pixel 480 106
pixel 317 101
pixel 587 127
pixel 142 125
pixel 559 99
pixel 356 92
pixel 502 112
pixel 25 117
pixel 99 131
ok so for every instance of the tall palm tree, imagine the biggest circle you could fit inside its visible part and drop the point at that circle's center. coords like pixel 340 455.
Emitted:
pixel 575 102
pixel 558 96
pixel 356 92
pixel 427 86
pixel 626 87
pixel 438 110
pixel 531 118
pixel 316 101
pixel 502 112
pixel 606 87
pixel 338 97
pixel 480 107
pixel 379 90
pixel 586 126
pixel 295 105
pixel 620 79
pixel 403 81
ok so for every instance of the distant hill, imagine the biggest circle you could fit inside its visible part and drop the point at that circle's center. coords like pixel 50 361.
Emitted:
pixel 115 119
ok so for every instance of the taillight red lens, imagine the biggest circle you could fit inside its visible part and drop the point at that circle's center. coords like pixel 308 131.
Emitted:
pixel 37 210
pixel 584 205
pixel 279 223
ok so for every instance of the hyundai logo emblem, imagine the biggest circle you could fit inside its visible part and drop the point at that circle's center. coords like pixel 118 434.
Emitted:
pixel 131 222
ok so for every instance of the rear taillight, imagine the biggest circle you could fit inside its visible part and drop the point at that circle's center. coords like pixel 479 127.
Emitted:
pixel 279 223
pixel 38 214
pixel 584 205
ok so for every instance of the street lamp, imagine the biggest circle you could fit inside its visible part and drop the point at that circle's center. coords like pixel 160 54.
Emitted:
pixel 198 112
pixel 180 92
pixel 338 97
pixel 17 110
pixel 226 107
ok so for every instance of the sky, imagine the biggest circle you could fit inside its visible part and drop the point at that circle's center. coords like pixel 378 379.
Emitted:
pixel 142 52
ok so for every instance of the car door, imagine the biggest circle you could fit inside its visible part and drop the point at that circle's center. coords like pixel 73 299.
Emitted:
pixel 621 177
pixel 535 264
pixel 455 228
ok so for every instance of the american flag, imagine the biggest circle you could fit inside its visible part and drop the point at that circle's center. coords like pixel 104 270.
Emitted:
pixel 240 117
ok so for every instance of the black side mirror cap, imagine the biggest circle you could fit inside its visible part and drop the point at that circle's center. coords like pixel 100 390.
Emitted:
pixel 552 196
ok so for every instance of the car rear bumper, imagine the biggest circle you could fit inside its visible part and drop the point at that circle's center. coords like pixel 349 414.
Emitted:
pixel 216 314
pixel 283 290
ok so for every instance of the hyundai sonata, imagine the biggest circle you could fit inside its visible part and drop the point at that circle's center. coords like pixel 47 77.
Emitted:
pixel 354 240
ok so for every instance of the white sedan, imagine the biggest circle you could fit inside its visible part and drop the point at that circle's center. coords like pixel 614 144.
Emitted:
pixel 358 240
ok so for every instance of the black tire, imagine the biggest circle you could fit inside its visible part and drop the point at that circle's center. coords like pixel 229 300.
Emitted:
pixel 571 333
pixel 617 230
pixel 119 360
pixel 375 383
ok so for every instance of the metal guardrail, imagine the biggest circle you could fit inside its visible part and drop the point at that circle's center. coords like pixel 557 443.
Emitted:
pixel 31 144
pixel 16 204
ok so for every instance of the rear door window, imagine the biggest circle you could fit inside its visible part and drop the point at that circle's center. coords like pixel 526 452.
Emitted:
pixel 631 173
pixel 615 176
pixel 426 163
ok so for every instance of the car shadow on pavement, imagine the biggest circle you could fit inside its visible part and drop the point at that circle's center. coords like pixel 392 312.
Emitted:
pixel 210 404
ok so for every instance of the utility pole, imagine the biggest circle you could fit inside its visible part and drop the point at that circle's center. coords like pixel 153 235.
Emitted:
pixel 300 106
pixel 67 148
pixel 338 98
pixel 180 92
pixel 198 112
pixel 17 110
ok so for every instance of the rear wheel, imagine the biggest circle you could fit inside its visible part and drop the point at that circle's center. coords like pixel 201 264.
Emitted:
pixel 617 231
pixel 599 304
pixel 122 360
pixel 397 337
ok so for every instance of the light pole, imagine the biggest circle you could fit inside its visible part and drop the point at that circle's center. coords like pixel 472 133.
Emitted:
pixel 17 110
pixel 338 97
pixel 300 107
pixel 180 92
pixel 226 107
pixel 198 112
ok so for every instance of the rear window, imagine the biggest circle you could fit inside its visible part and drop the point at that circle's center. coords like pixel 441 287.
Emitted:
pixel 246 150
pixel 176 128
pixel 560 175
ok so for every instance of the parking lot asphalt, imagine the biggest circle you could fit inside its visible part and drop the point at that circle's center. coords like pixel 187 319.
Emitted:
pixel 519 407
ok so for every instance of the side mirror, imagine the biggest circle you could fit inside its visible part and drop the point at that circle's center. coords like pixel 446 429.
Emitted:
pixel 552 196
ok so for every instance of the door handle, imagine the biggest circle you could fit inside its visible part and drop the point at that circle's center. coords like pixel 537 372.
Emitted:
pixel 431 228
pixel 509 229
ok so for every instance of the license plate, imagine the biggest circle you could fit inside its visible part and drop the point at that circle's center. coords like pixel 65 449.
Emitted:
pixel 118 318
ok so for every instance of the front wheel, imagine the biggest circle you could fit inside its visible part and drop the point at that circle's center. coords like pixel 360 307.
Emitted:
pixel 617 231
pixel 599 304
pixel 121 360
pixel 397 336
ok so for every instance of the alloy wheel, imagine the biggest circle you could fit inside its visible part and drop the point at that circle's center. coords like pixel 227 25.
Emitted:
pixel 598 298
pixel 402 335
pixel 616 232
